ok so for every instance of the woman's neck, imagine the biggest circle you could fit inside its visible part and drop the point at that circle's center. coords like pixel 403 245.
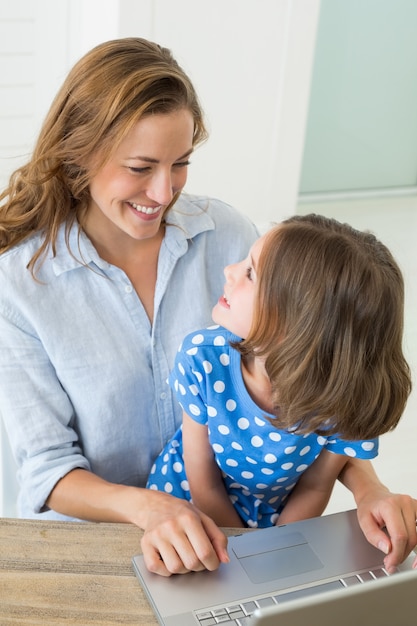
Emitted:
pixel 137 258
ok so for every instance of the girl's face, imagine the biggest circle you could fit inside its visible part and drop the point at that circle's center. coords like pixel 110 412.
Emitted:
pixel 131 192
pixel 234 309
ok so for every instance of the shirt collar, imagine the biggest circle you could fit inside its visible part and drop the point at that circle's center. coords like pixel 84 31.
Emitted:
pixel 187 219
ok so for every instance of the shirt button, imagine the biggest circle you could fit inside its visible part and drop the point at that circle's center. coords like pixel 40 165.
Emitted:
pixel 163 395
pixel 128 288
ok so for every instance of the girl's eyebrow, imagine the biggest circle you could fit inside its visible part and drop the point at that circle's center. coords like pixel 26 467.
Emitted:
pixel 151 160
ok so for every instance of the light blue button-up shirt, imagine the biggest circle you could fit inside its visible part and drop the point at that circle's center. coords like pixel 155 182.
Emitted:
pixel 83 372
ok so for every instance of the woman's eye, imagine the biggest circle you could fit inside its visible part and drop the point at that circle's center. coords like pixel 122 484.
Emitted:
pixel 139 170
pixel 145 170
pixel 249 273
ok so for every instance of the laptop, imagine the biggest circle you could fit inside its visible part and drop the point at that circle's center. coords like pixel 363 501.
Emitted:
pixel 268 568
pixel 390 601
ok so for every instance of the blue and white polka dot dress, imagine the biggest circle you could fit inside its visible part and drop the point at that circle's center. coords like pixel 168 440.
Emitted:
pixel 260 463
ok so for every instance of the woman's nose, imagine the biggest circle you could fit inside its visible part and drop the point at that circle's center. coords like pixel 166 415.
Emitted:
pixel 161 188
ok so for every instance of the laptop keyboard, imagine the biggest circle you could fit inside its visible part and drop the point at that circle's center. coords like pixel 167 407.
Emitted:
pixel 239 614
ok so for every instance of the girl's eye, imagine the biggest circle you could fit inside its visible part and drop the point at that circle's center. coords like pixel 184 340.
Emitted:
pixel 182 164
pixel 249 273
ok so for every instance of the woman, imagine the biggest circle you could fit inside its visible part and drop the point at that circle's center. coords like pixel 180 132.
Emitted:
pixel 105 265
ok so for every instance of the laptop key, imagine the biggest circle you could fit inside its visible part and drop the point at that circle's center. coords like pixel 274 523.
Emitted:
pixel 236 614
pixel 245 621
pixel 209 621
pixel 269 601
pixel 351 580
pixel 204 615
pixel 249 607
pixel 308 591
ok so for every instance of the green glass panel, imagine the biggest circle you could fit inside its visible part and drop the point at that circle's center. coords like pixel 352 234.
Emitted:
pixel 362 123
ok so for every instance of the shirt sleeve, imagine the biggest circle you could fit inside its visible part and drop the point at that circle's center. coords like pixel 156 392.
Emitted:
pixel 37 414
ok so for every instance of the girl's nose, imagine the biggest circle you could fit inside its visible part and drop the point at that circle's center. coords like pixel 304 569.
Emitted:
pixel 228 272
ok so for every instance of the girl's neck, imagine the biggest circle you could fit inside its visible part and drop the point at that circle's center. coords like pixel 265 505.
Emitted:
pixel 257 382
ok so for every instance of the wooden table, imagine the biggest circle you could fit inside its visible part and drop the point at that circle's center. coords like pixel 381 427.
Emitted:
pixel 70 573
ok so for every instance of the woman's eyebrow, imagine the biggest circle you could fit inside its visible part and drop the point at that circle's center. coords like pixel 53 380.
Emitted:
pixel 148 159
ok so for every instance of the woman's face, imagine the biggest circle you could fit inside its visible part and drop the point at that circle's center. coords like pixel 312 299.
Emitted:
pixel 234 310
pixel 131 192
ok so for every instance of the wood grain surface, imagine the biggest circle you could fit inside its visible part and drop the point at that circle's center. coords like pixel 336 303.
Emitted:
pixel 64 573
pixel 70 573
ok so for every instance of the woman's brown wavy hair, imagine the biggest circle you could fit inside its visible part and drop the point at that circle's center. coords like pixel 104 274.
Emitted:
pixel 105 94
pixel 329 323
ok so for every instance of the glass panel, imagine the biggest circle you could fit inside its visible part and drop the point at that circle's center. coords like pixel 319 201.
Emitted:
pixel 362 123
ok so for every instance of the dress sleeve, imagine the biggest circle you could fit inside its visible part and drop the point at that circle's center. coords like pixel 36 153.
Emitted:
pixel 187 380
pixel 361 449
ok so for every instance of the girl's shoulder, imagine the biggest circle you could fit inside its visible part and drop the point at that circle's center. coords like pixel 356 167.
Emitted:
pixel 212 336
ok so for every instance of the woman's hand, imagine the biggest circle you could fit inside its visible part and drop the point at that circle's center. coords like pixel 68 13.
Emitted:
pixel 395 512
pixel 378 508
pixel 178 538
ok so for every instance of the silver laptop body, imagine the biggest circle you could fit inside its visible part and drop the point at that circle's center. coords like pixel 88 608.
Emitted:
pixel 267 567
pixel 390 601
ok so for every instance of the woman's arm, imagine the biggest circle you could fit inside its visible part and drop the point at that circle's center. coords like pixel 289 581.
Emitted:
pixel 178 538
pixel 378 508
pixel 204 476
pixel 311 494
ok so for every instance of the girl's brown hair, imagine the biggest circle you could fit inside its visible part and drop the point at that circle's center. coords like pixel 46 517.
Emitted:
pixel 105 94
pixel 329 323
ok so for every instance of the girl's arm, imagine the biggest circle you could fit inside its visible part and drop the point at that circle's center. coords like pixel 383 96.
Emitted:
pixel 311 494
pixel 204 476
pixel 378 508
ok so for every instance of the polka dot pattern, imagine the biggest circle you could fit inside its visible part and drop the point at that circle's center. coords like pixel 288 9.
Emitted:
pixel 260 464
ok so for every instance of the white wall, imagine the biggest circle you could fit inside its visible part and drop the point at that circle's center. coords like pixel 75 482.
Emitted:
pixel 29 72
pixel 251 64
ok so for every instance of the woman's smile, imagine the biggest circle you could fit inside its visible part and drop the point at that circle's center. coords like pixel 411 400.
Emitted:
pixel 146 212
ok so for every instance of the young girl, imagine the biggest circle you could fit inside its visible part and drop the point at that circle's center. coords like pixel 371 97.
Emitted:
pixel 304 371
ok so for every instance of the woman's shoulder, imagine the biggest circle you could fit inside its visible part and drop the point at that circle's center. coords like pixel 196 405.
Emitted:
pixel 222 213
pixel 20 254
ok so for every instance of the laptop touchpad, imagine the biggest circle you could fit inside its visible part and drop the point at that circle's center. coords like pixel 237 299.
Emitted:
pixel 286 555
